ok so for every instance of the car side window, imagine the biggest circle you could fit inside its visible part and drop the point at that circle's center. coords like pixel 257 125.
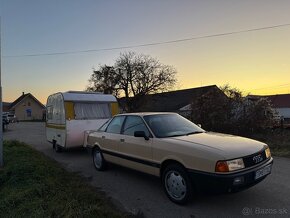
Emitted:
pixel 116 125
pixel 104 126
pixel 134 123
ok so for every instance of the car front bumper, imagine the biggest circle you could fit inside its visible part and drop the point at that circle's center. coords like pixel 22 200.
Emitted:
pixel 230 182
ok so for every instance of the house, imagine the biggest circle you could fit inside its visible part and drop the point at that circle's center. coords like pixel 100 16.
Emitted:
pixel 179 101
pixel 27 107
pixel 281 105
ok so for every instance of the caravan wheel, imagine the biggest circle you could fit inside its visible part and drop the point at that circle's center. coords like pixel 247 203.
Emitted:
pixel 56 147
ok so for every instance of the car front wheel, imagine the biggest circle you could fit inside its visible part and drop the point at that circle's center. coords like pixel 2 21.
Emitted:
pixel 98 159
pixel 177 184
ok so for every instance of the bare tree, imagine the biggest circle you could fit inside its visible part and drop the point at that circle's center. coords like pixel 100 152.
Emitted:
pixel 142 75
pixel 134 76
pixel 105 80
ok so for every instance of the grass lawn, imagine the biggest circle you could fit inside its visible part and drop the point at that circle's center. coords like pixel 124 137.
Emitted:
pixel 32 185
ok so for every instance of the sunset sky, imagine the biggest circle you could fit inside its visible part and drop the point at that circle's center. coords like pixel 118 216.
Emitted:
pixel 256 61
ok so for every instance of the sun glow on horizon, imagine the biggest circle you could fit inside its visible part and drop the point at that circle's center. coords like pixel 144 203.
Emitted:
pixel 255 62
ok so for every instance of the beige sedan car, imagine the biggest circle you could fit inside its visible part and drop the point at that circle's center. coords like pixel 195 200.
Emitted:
pixel 186 157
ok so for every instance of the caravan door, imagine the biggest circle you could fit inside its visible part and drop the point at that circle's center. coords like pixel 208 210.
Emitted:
pixel 55 124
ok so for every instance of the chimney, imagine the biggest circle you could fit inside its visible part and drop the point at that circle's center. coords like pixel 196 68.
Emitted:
pixel 22 93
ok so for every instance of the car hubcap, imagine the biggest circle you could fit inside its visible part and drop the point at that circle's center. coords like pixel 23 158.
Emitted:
pixel 98 159
pixel 175 185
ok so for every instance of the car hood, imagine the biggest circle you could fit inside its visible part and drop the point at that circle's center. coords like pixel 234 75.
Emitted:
pixel 228 145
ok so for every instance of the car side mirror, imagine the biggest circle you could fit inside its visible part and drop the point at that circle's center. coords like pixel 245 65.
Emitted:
pixel 199 125
pixel 141 134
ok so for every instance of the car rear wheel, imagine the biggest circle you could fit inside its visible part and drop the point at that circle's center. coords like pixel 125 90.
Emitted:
pixel 177 184
pixel 98 159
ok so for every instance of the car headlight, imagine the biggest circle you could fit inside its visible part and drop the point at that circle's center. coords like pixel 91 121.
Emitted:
pixel 268 153
pixel 229 165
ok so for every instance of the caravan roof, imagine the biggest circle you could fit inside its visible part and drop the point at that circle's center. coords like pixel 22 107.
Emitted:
pixel 87 96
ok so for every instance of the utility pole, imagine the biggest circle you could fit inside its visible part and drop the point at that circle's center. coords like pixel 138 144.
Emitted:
pixel 1 108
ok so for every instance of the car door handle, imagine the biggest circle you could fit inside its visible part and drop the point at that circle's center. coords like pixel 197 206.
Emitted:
pixel 103 137
pixel 122 140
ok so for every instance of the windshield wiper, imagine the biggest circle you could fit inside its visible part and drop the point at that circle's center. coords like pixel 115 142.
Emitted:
pixel 184 134
pixel 195 132
pixel 176 135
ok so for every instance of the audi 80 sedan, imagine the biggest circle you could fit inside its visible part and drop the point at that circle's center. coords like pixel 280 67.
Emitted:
pixel 183 155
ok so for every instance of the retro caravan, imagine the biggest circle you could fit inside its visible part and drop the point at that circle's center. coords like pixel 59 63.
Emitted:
pixel 70 114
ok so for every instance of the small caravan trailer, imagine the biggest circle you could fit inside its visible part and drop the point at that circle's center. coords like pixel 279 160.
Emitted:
pixel 70 114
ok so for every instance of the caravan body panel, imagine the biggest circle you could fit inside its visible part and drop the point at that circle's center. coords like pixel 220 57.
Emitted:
pixel 70 114
pixel 76 128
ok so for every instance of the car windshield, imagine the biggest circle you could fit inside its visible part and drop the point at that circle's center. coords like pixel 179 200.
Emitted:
pixel 171 125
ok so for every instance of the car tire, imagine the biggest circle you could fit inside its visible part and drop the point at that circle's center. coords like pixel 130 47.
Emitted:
pixel 177 184
pixel 56 147
pixel 98 159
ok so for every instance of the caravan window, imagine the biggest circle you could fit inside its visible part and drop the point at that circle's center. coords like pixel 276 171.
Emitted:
pixel 88 111
pixel 49 111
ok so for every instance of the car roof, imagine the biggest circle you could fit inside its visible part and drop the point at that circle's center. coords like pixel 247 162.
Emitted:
pixel 144 113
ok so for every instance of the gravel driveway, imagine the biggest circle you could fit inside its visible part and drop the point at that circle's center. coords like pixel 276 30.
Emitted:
pixel 137 192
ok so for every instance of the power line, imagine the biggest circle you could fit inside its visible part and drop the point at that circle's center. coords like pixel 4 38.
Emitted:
pixel 150 44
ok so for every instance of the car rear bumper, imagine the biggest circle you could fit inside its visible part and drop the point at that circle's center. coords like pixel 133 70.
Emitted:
pixel 231 182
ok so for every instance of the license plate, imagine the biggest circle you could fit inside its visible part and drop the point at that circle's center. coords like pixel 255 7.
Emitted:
pixel 263 172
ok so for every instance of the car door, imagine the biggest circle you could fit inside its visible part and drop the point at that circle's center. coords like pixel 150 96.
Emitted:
pixel 110 139
pixel 136 151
